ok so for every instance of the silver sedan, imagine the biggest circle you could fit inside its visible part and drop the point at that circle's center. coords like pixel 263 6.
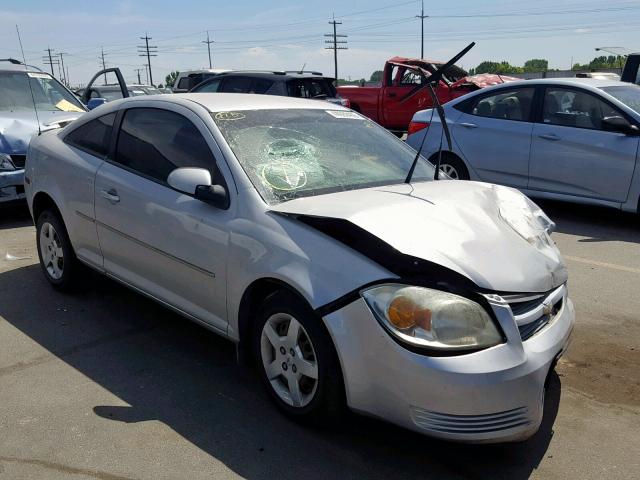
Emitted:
pixel 568 139
pixel 289 227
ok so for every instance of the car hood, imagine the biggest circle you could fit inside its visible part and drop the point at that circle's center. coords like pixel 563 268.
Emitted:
pixel 453 224
pixel 17 128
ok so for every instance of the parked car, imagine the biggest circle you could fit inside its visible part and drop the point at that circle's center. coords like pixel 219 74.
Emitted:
pixel 287 226
pixel 185 81
pixel 23 90
pixel 599 75
pixel 404 90
pixel 572 139
pixel 300 84
pixel 631 72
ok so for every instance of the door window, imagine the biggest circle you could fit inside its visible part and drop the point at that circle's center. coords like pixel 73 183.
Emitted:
pixel 507 105
pixel 209 87
pixel 155 142
pixel 93 137
pixel 310 88
pixel 236 85
pixel 574 108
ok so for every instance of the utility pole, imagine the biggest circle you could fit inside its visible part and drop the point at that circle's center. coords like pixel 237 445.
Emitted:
pixel 146 71
pixel 65 80
pixel 147 51
pixel 208 42
pixel 337 45
pixel 104 64
pixel 138 70
pixel 50 62
pixel 68 78
pixel 422 16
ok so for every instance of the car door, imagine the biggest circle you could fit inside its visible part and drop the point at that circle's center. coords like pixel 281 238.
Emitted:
pixel 165 243
pixel 494 134
pixel 404 95
pixel 571 153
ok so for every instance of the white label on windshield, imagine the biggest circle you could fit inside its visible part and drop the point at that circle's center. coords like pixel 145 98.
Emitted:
pixel 38 75
pixel 344 114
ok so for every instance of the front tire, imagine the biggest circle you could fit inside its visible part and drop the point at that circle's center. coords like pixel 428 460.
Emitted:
pixel 296 359
pixel 57 258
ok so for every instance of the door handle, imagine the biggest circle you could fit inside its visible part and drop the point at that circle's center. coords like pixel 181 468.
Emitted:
pixel 468 125
pixel 550 136
pixel 111 195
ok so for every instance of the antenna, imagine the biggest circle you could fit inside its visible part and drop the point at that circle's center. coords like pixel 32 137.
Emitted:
pixel 302 69
pixel 33 98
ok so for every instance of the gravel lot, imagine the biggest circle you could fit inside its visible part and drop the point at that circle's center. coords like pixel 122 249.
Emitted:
pixel 105 384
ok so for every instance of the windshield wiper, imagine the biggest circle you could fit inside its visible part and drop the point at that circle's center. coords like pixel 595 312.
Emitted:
pixel 434 79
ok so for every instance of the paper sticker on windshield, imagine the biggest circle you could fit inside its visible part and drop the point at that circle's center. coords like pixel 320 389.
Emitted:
pixel 38 75
pixel 67 106
pixel 229 116
pixel 344 114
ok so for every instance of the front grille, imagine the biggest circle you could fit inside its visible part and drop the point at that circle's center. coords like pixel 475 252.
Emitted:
pixel 533 312
pixel 18 160
pixel 456 424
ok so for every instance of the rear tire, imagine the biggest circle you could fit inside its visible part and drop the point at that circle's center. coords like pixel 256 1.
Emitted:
pixel 452 166
pixel 57 258
pixel 296 359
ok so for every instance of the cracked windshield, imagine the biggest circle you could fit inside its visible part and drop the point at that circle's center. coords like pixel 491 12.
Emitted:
pixel 295 153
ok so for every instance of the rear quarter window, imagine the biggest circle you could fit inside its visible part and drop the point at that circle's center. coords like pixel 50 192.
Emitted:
pixel 93 137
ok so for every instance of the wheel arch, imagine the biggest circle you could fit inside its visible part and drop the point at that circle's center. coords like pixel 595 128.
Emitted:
pixel 43 201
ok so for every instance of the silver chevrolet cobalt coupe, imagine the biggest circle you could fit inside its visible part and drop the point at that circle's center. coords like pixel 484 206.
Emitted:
pixel 289 227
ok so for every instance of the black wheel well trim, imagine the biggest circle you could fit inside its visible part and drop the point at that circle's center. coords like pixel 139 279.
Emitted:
pixel 41 202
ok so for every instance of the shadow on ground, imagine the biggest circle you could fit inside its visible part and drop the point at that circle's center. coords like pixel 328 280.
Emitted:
pixel 175 372
pixel 596 224
pixel 14 217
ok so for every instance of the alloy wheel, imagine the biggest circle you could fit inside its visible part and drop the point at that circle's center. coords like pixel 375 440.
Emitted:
pixel 51 251
pixel 289 359
pixel 450 171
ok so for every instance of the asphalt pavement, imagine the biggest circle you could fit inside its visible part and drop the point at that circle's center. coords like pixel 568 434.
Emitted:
pixel 105 384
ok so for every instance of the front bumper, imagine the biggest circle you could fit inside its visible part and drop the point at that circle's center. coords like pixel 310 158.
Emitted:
pixel 12 186
pixel 494 395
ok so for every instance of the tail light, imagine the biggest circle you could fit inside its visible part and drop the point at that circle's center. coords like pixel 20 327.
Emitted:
pixel 416 127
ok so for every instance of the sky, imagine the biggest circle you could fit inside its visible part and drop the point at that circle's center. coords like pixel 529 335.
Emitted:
pixel 285 35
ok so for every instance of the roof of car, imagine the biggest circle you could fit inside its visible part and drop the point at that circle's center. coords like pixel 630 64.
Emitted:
pixel 225 102
pixel 274 75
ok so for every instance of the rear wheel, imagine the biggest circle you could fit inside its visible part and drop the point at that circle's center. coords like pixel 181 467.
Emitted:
pixel 57 258
pixel 452 166
pixel 296 358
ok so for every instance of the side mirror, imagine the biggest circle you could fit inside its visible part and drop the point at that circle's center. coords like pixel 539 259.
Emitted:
pixel 620 125
pixel 96 102
pixel 197 182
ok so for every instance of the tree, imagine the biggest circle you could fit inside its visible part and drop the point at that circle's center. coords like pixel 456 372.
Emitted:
pixel 536 65
pixel 500 68
pixel 376 76
pixel 171 78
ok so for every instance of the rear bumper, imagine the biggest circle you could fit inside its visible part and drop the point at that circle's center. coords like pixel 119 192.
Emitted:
pixel 11 186
pixel 495 395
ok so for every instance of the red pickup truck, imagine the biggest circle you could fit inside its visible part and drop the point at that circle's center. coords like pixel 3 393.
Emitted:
pixel 404 91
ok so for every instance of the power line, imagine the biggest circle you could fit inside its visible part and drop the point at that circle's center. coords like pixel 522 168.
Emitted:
pixel 422 16
pixel 148 51
pixel 208 42
pixel 337 45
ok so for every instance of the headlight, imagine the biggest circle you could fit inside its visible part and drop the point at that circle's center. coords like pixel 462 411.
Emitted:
pixel 430 318
pixel 525 217
pixel 5 163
